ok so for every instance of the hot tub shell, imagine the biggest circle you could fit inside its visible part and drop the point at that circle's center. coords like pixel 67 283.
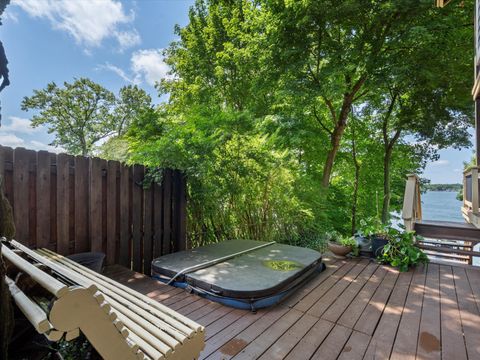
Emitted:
pixel 243 281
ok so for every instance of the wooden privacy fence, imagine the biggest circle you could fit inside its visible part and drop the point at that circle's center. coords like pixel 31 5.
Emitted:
pixel 72 204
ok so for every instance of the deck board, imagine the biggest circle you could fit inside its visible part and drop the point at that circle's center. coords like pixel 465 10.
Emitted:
pixel 355 309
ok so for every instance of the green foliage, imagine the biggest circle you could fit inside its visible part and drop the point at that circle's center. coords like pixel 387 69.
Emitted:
pixel 350 241
pixel 240 185
pixel 373 227
pixel 269 99
pixel 83 113
pixel 401 252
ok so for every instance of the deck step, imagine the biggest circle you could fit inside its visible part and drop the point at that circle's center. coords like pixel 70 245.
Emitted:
pixel 448 230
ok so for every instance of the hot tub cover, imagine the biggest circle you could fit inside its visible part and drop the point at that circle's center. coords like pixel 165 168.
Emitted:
pixel 249 277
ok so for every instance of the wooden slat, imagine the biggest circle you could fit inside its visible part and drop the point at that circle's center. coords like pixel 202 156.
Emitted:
pixel 355 309
pixel 148 212
pixel 258 346
pixel 336 291
pixel 21 202
pixel 308 301
pixel 383 338
pixel 405 343
pixel 95 213
pixel 3 151
pixel 307 346
pixel 289 339
pixel 63 202
pixel 373 311
pixel 179 203
pixel 469 313
pixel 82 243
pixel 225 335
pixel 44 170
pixel 340 304
pixel 429 333
pixel 355 347
pixel 453 344
pixel 333 344
pixel 315 281
pixel 446 250
pixel 137 223
pixel 112 213
pixel 157 220
pixel 125 235
pixel 7 158
pixel 167 212
pixel 448 231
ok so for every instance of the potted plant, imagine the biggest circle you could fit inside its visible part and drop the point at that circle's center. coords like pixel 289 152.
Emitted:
pixel 375 233
pixel 401 252
pixel 341 246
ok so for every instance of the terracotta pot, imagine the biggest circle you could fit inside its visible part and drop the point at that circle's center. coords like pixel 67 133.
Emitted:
pixel 339 250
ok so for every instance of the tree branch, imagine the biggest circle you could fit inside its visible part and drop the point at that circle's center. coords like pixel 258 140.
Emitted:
pixel 320 121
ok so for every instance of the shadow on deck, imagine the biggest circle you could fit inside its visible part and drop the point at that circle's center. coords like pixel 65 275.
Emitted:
pixel 355 309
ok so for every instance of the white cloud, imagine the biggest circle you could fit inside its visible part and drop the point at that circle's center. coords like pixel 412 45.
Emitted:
pixel 128 39
pixel 88 22
pixel 19 125
pixel 10 15
pixel 11 140
pixel 440 163
pixel 146 66
pixel 116 70
pixel 149 66
pixel 37 145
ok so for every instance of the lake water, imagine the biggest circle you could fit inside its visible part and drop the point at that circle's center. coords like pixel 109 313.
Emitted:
pixel 441 205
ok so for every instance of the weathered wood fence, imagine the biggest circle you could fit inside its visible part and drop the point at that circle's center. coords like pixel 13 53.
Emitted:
pixel 73 204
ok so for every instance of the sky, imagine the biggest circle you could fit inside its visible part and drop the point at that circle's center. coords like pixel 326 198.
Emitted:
pixel 112 42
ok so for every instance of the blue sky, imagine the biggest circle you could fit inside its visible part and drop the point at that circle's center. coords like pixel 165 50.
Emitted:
pixel 111 42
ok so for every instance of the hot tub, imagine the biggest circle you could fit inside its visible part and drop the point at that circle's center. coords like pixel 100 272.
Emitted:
pixel 244 274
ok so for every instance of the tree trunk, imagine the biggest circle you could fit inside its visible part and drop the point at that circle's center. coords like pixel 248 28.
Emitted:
pixel 335 139
pixel 355 182
pixel 339 129
pixel 386 185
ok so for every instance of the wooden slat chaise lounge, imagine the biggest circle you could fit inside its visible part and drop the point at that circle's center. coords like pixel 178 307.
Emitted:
pixel 119 322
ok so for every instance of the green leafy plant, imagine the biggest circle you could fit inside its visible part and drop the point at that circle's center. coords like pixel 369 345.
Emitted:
pixel 401 252
pixel 350 241
pixel 372 227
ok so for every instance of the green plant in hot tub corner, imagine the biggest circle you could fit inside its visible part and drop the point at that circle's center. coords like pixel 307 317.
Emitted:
pixel 401 252
pixel 341 246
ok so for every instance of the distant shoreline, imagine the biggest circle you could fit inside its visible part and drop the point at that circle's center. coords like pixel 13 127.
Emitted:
pixel 443 187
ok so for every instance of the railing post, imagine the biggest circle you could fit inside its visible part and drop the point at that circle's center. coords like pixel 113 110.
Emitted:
pixel 411 203
pixel 475 203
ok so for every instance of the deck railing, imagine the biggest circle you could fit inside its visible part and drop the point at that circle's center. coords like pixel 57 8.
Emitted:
pixel 412 202
pixel 471 199
pixel 443 240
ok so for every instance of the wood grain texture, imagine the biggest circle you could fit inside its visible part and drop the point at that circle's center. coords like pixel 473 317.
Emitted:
pixel 389 311
pixel 79 204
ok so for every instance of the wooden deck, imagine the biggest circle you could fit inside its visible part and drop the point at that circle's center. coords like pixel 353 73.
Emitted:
pixel 355 309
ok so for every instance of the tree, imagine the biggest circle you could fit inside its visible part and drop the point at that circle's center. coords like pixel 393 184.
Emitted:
pixel 83 113
pixel 426 100
pixel 335 51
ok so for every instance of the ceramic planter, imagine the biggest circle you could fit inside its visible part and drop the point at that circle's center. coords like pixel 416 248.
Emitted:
pixel 339 250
